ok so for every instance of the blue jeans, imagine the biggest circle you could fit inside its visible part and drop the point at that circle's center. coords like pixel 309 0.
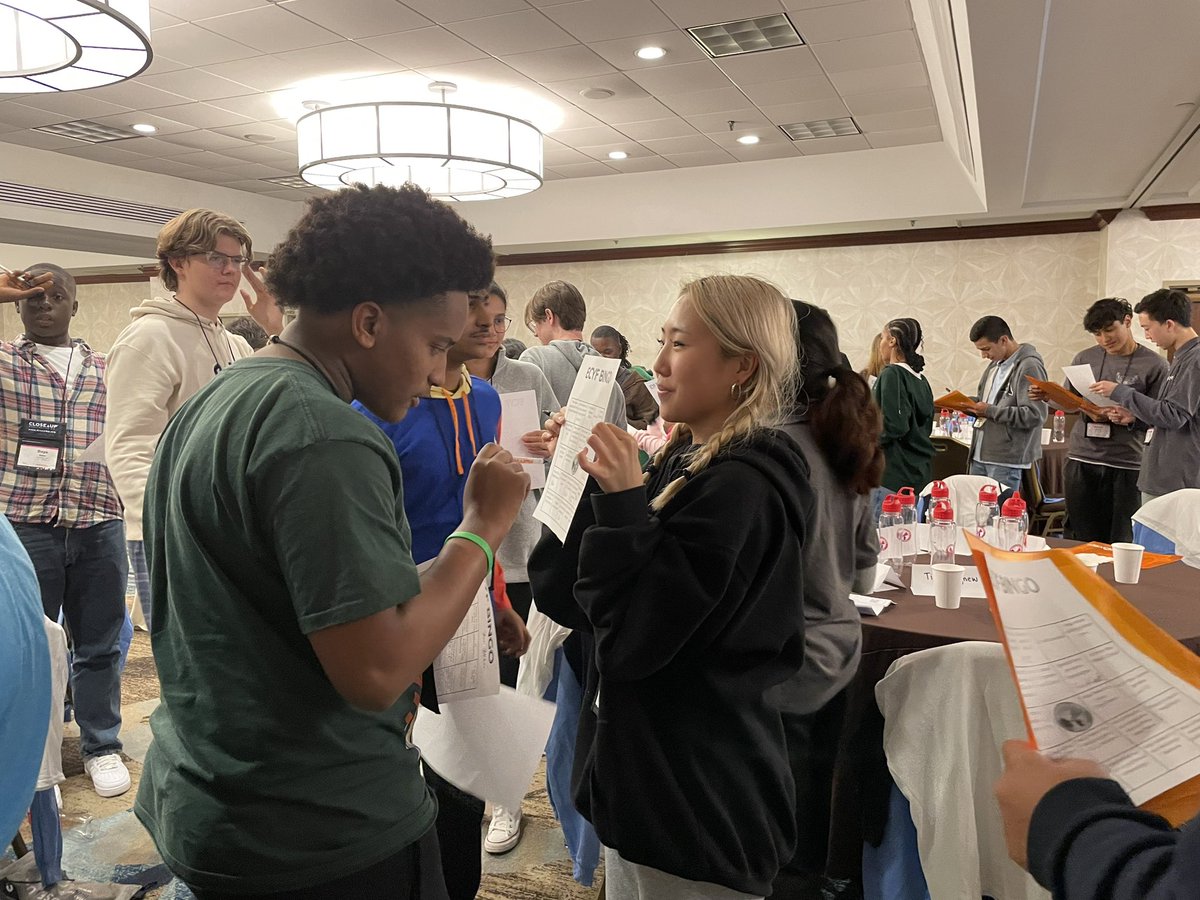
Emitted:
pixel 1008 476
pixel 141 576
pixel 83 572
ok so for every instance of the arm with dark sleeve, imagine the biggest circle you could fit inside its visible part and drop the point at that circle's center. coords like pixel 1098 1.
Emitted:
pixel 648 583
pixel 554 568
pixel 1087 841
pixel 640 407
pixel 1173 412
pixel 895 403
pixel 1024 414
pixel 866 549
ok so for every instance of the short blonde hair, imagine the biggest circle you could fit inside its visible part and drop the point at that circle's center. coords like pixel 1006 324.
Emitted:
pixel 747 316
pixel 194 231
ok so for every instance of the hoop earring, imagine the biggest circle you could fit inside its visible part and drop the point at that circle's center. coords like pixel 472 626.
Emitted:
pixel 735 391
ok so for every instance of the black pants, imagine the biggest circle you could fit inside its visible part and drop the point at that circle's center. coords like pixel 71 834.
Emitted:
pixel 1101 502
pixel 812 744
pixel 459 827
pixel 521 595
pixel 415 873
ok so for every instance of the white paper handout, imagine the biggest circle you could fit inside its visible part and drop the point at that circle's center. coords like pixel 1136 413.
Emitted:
pixel 587 406
pixel 1088 681
pixel 972 583
pixel 886 579
pixel 1082 378
pixel 871 606
pixel 519 415
pixel 469 664
pixel 488 746
pixel 94 452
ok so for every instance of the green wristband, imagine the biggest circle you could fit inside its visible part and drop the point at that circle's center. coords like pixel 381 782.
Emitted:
pixel 478 542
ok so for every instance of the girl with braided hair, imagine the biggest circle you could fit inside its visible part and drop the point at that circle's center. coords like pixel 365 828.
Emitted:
pixel 687 586
pixel 906 400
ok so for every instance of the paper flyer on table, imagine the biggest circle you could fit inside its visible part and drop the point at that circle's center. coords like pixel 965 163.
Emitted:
pixel 519 415
pixel 469 664
pixel 487 746
pixel 1096 678
pixel 1082 378
pixel 566 481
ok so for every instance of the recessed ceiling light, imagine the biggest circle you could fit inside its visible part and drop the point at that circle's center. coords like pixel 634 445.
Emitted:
pixel 143 128
pixel 260 139
pixel 618 154
pixel 650 53
pixel 748 139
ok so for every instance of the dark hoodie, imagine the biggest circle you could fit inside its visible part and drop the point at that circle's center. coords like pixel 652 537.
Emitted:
pixel 688 615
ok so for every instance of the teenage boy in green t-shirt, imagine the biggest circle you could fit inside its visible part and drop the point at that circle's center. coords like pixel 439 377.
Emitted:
pixel 290 626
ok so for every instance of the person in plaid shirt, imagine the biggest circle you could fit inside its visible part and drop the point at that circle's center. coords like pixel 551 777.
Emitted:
pixel 65 511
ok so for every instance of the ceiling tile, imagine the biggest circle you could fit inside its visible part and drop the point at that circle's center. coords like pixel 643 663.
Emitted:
pixel 642 164
pixel 270 29
pixel 574 117
pixel 194 84
pixel 755 152
pixel 362 18
pixel 809 4
pixel 258 170
pixel 712 157
pixel 657 129
pixel 160 19
pixel 619 112
pixel 38 139
pixel 673 146
pixel 689 13
pixel 559 64
pixel 899 120
pixel 718 122
pixel 186 9
pixel 444 11
pixel 833 145
pixel 892 49
pixel 621 86
pixel 110 152
pixel 17 116
pixel 682 79
pixel 253 185
pixel 791 90
pixel 266 73
pixel 787 113
pixel 163 124
pixel 603 20
pixel 166 167
pixel 424 47
pixel 882 78
pixel 588 137
pixel 285 194
pixel 851 20
pixel 558 155
pixel 139 94
pixel 281 130
pixel 770 65
pixel 153 147
pixel 73 105
pixel 584 170
pixel 342 58
pixel 206 159
pixel 205 140
pixel 516 32
pixel 214 176
pixel 162 64
pixel 906 136
pixel 889 101
pixel 702 102
pixel 632 149
pixel 620 52
pixel 202 115
pixel 193 46
pixel 254 106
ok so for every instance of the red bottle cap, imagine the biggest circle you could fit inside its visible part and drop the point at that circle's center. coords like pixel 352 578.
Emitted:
pixel 891 504
pixel 1059 412
pixel 989 493
pixel 908 497
pixel 1014 506
pixel 942 512
pixel 939 490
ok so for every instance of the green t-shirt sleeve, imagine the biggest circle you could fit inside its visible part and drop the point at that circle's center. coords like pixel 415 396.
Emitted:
pixel 336 521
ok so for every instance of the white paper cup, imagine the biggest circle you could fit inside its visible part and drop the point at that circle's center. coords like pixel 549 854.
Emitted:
pixel 947 585
pixel 1094 566
pixel 1127 562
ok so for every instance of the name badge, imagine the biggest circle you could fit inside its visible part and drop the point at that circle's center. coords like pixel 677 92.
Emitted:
pixel 1099 430
pixel 979 422
pixel 40 446
pixel 1149 436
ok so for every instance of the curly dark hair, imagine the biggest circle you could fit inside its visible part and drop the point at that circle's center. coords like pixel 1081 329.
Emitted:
pixel 390 245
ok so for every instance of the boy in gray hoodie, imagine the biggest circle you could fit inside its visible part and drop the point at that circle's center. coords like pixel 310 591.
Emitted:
pixel 1008 423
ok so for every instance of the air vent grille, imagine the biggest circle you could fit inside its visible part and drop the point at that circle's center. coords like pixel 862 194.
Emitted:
pixel 821 128
pixel 292 181
pixel 88 132
pixel 47 198
pixel 747 36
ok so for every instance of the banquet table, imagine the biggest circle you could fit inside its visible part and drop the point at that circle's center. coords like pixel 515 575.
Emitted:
pixel 1050 467
pixel 1168 595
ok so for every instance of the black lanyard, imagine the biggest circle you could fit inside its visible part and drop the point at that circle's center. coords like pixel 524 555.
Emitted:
pixel 1124 374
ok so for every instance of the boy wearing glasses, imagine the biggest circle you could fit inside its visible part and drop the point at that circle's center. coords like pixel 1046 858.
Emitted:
pixel 173 348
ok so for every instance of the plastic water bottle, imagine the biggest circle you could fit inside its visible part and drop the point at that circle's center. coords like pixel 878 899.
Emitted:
pixel 908 524
pixel 1059 432
pixel 938 491
pixel 1013 525
pixel 942 534
pixel 944 421
pixel 889 543
pixel 987 509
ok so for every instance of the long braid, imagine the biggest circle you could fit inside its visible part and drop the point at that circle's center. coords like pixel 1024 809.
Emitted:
pixel 740 424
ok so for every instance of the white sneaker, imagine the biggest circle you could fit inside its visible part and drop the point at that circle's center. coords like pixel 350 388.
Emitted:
pixel 505 831
pixel 109 776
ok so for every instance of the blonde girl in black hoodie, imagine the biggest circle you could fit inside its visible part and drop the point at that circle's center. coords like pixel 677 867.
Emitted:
pixel 686 584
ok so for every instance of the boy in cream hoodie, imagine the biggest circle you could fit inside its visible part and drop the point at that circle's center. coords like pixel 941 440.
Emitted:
pixel 171 349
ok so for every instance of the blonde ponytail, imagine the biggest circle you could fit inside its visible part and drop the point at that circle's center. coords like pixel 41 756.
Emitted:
pixel 747 316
